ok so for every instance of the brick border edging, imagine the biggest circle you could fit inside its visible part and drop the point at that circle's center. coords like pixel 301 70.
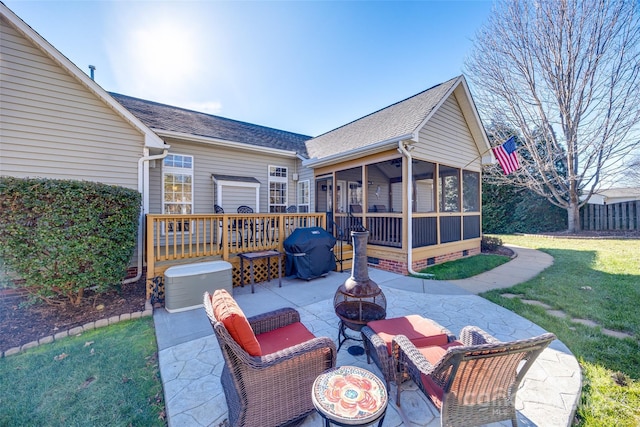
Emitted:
pixel 148 311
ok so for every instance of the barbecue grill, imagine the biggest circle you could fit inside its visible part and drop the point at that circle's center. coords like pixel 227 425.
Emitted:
pixel 309 253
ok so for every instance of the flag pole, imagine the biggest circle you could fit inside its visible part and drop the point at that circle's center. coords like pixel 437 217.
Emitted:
pixel 476 158
pixel 485 152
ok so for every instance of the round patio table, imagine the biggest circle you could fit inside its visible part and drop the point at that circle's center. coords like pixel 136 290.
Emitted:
pixel 350 396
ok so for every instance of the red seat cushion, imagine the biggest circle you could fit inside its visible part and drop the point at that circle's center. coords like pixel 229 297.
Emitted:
pixel 433 354
pixel 285 337
pixel 420 331
pixel 227 311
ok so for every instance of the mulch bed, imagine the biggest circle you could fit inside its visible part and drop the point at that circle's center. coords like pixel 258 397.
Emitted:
pixel 22 321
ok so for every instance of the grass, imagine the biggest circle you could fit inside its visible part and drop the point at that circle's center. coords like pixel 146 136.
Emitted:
pixel 597 280
pixel 465 267
pixel 108 376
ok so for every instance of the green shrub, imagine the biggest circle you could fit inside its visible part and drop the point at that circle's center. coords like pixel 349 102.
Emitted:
pixel 490 243
pixel 507 210
pixel 61 237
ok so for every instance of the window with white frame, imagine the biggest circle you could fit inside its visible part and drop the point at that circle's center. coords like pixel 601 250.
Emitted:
pixel 278 178
pixel 303 195
pixel 177 185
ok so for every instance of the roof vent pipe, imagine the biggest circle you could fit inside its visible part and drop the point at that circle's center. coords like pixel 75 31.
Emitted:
pixel 92 70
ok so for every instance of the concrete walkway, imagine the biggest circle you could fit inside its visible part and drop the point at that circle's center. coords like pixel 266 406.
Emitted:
pixel 191 362
pixel 526 264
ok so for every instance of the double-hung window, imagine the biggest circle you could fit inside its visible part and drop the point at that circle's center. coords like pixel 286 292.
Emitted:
pixel 177 185
pixel 303 195
pixel 278 178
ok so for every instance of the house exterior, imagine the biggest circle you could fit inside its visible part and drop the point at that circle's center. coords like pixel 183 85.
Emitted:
pixel 55 122
pixel 610 196
pixel 218 161
pixel 410 172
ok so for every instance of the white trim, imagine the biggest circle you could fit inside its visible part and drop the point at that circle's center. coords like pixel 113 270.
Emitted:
pixel 223 182
pixel 435 109
pixel 178 171
pixel 357 152
pixel 278 179
pixel 298 201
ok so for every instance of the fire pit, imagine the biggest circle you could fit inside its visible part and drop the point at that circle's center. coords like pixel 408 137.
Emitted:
pixel 358 300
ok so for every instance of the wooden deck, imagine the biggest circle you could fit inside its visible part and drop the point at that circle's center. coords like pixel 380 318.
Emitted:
pixel 185 239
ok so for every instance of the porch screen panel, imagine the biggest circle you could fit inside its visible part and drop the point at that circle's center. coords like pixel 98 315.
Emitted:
pixel 471 227
pixel 450 229
pixel 470 191
pixel 425 232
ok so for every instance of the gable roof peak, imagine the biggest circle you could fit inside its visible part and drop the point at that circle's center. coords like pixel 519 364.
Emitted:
pixel 397 120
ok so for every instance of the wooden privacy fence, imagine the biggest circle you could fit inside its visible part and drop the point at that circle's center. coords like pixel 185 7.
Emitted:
pixel 616 216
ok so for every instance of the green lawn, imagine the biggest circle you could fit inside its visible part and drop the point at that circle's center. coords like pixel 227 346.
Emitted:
pixel 465 267
pixel 597 280
pixel 105 377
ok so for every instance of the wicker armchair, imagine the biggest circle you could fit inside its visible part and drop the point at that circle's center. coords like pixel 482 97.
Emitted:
pixel 377 338
pixel 474 383
pixel 271 389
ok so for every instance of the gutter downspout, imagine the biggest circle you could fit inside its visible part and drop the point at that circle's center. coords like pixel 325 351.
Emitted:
pixel 143 188
pixel 402 148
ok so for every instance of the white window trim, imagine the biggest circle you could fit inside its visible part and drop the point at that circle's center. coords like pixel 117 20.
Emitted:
pixel 182 171
pixel 225 183
pixel 298 188
pixel 281 179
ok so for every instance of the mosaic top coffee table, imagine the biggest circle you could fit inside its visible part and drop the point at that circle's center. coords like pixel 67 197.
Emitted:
pixel 350 396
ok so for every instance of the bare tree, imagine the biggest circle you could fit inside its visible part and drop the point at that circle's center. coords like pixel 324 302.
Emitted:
pixel 631 176
pixel 566 75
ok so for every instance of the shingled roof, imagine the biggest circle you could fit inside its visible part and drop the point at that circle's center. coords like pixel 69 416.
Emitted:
pixel 394 121
pixel 174 119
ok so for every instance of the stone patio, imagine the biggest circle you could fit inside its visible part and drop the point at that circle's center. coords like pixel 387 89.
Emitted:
pixel 191 362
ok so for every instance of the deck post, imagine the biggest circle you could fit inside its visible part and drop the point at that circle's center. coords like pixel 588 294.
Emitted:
pixel 150 255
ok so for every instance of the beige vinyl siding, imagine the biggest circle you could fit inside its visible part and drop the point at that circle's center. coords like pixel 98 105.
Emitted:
pixel 53 126
pixel 212 159
pixel 233 196
pixel 446 139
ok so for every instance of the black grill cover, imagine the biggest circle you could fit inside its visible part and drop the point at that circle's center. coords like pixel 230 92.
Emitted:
pixel 309 252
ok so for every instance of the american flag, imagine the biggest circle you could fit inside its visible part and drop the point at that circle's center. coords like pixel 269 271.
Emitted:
pixel 506 155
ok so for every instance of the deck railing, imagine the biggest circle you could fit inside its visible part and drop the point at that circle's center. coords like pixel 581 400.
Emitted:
pixel 385 229
pixel 181 237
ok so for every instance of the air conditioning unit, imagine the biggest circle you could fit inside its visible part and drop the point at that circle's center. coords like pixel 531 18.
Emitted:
pixel 185 285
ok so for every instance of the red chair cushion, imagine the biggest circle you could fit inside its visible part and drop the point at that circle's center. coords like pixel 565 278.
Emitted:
pixel 285 337
pixel 227 311
pixel 420 331
pixel 433 391
pixel 433 354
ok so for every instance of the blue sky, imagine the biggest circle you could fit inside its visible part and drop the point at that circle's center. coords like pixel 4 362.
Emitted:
pixel 301 66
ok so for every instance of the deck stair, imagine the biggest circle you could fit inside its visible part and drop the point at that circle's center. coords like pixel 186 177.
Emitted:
pixel 344 256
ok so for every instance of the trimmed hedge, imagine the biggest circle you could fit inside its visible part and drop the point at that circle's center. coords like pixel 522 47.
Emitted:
pixel 61 237
pixel 507 210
